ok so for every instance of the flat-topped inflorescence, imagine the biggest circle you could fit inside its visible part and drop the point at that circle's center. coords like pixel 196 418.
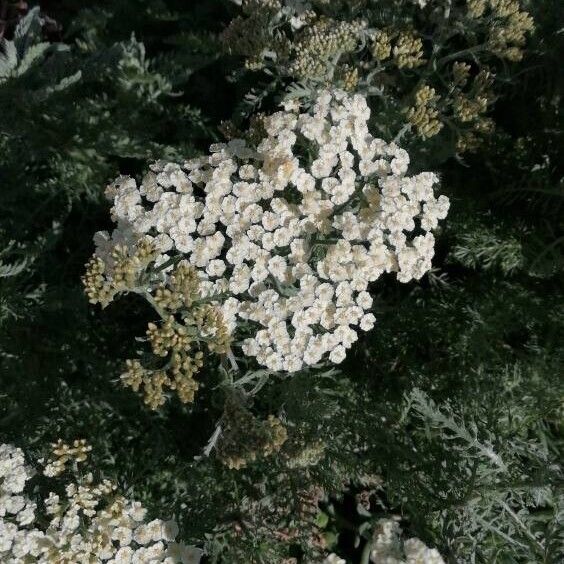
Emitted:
pixel 271 249
pixel 87 521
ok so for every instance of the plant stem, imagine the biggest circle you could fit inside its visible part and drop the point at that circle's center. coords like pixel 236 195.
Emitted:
pixel 462 53
pixel 365 556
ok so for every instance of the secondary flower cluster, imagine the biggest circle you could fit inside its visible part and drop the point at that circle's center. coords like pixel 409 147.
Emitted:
pixel 91 522
pixel 285 238
pixel 187 320
pixel 14 473
pixel 388 547
pixel 403 53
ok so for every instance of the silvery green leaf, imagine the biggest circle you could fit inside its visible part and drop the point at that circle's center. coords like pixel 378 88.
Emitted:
pixel 28 31
pixel 8 59
pixel 61 85
pixel 34 53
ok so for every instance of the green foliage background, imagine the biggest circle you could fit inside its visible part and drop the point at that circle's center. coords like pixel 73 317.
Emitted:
pixel 448 414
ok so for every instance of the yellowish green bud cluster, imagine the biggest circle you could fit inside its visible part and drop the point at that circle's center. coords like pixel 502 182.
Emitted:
pixel 210 324
pixel 405 47
pixel 508 26
pixel 468 109
pixel 460 73
pixel 96 286
pixel 181 290
pixel 350 77
pixel 408 51
pixel 252 35
pixel 476 8
pixel 173 340
pixel 187 320
pixel 469 102
pixel 244 438
pixel 101 286
pixel 508 38
pixel 321 42
pixel 154 383
pixel 424 114
pixel 465 104
pixel 127 266
pixel 169 336
pixel 381 45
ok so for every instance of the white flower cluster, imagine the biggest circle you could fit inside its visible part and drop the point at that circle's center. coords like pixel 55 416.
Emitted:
pixel 292 233
pixel 334 559
pixel 14 473
pixel 389 548
pixel 92 523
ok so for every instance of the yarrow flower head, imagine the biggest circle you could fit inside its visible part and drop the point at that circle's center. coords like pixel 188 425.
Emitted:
pixel 283 238
pixel 90 522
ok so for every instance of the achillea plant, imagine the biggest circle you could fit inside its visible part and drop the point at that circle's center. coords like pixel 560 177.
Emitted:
pixel 266 252
pixel 312 464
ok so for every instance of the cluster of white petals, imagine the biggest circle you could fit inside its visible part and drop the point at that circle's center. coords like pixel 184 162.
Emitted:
pixel 389 548
pixel 334 559
pixel 90 523
pixel 14 473
pixel 290 234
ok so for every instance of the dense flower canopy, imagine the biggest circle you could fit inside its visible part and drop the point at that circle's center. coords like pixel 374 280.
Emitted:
pixel 286 237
